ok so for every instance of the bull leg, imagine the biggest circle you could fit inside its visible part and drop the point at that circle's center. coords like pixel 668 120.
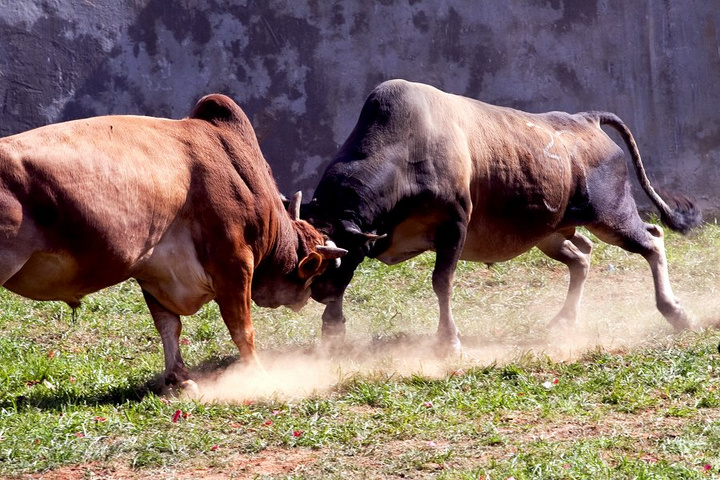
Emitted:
pixel 449 242
pixel 169 327
pixel 573 251
pixel 333 324
pixel 331 293
pixel 235 312
pixel 647 240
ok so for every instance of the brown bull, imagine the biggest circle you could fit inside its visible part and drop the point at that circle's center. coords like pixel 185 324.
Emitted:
pixel 187 207
pixel 427 170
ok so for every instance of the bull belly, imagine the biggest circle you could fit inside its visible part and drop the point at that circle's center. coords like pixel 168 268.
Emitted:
pixel 487 243
pixel 498 246
pixel 173 274
pixel 56 276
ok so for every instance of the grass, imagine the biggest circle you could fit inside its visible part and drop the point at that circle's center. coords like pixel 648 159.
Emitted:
pixel 619 396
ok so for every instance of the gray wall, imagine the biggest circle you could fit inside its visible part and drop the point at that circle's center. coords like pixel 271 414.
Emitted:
pixel 302 69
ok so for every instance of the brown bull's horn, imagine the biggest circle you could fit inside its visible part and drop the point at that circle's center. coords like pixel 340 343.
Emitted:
pixel 294 206
pixel 329 251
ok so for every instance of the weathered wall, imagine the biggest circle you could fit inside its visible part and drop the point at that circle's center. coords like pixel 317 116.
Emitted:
pixel 301 70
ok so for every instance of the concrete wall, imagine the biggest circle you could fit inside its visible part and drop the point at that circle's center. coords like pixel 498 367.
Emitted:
pixel 302 69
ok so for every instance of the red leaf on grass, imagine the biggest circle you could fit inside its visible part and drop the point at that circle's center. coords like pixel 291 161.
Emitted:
pixel 176 415
pixel 297 433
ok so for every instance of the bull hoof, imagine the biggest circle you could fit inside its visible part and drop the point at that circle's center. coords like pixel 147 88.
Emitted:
pixel 680 321
pixel 449 349
pixel 333 345
pixel 189 388
pixel 333 338
pixel 561 321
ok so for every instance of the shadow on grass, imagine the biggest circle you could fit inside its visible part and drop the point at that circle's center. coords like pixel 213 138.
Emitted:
pixel 55 400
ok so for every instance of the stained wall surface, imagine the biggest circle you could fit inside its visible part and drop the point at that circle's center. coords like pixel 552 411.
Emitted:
pixel 302 69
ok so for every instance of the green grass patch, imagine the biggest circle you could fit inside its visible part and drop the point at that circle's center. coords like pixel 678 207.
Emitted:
pixel 618 396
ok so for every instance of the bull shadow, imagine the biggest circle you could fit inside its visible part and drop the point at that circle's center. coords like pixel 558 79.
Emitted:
pixel 54 400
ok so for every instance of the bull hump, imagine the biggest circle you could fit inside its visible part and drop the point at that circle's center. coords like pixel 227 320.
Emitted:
pixel 217 107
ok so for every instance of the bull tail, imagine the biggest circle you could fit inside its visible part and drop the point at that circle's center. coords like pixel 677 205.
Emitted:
pixel 683 216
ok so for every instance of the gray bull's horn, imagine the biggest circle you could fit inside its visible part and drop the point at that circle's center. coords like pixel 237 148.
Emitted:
pixel 350 227
pixel 294 206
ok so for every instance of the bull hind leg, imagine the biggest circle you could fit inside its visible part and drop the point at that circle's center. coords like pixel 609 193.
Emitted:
pixel 169 327
pixel 572 249
pixel 646 239
pixel 20 239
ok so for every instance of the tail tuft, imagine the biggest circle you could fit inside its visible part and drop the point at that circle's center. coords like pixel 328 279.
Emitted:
pixel 684 214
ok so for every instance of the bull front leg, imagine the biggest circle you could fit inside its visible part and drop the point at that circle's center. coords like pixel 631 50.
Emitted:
pixel 449 242
pixel 329 289
pixel 235 312
pixel 333 321
pixel 169 327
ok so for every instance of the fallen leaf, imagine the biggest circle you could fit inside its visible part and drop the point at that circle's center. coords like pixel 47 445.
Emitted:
pixel 176 415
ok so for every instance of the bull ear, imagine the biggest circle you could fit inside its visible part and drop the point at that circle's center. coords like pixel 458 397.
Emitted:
pixel 294 206
pixel 310 265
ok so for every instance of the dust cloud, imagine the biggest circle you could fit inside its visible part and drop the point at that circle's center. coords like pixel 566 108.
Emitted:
pixel 616 316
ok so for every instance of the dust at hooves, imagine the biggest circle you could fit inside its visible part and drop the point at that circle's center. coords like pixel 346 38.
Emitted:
pixel 298 374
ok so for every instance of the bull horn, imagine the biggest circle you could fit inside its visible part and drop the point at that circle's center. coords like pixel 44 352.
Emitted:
pixel 331 251
pixel 350 227
pixel 294 206
pixel 371 237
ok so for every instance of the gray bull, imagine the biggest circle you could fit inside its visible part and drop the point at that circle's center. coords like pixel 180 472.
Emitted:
pixel 427 170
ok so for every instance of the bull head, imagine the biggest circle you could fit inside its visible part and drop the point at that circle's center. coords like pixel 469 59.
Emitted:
pixel 329 251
